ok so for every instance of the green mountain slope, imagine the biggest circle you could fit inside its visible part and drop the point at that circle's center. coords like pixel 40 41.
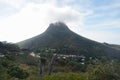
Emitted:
pixel 117 47
pixel 59 36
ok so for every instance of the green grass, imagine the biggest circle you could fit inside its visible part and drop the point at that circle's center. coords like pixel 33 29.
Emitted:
pixel 64 76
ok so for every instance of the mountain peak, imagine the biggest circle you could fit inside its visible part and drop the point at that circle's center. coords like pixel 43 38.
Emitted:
pixel 58 26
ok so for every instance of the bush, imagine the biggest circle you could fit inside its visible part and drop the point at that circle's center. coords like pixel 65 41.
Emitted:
pixel 17 73
pixel 108 71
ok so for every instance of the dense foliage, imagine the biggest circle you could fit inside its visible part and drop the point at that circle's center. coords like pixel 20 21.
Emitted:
pixel 9 68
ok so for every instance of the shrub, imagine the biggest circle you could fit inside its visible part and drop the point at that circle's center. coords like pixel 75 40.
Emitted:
pixel 17 73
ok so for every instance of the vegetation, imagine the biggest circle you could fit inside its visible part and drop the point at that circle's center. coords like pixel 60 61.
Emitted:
pixel 14 65
pixel 9 69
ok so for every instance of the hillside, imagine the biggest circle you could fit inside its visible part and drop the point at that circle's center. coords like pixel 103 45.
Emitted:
pixel 60 37
pixel 117 47
pixel 13 65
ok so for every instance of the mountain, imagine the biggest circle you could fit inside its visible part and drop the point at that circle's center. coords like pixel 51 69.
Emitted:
pixel 8 47
pixel 60 37
pixel 117 47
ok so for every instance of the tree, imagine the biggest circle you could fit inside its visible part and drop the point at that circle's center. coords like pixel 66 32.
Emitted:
pixel 51 65
pixel 41 64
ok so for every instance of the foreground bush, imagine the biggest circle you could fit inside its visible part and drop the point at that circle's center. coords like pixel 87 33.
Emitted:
pixel 108 71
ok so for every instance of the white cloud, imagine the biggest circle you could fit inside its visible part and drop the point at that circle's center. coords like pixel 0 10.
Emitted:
pixel 13 3
pixel 35 18
pixel 68 1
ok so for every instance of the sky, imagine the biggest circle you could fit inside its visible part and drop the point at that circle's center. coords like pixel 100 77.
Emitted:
pixel 97 20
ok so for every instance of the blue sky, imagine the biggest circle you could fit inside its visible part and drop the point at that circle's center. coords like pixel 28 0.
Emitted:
pixel 98 20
